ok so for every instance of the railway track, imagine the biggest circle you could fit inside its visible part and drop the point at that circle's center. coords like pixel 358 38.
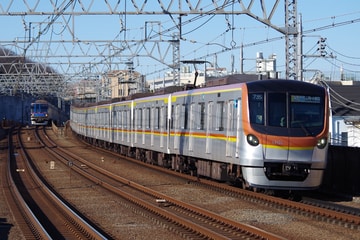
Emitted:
pixel 341 216
pixel 43 215
pixel 322 212
pixel 28 225
pixel 194 221
pixel 258 199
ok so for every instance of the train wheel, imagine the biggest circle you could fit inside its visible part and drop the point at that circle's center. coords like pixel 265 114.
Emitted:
pixel 295 196
pixel 245 185
pixel 270 192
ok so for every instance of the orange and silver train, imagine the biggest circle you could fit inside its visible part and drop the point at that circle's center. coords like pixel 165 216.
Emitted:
pixel 270 134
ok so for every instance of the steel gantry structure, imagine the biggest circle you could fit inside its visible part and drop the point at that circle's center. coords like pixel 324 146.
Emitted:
pixel 49 50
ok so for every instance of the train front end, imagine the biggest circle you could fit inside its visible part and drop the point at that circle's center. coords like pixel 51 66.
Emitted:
pixel 285 125
pixel 39 114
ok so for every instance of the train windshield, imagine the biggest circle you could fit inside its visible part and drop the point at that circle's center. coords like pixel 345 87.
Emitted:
pixel 286 110
pixel 37 108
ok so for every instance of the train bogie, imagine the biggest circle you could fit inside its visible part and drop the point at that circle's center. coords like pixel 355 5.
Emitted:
pixel 268 134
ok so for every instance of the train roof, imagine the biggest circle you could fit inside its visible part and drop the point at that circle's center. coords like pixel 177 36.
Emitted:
pixel 212 84
pixel 39 102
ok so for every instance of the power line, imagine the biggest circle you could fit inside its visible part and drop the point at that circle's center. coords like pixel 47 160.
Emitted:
pixel 346 69
pixel 343 55
pixel 333 25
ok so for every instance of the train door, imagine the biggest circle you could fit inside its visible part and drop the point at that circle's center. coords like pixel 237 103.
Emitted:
pixel 169 122
pixel 131 124
pixel 146 123
pixel 120 123
pixel 109 125
pixel 105 119
pixel 123 124
pixel 154 123
pixel 100 124
pixel 192 126
pixel 96 123
pixel 91 124
pixel 231 127
pixel 238 127
pixel 276 120
pixel 138 124
pixel 209 127
pixel 115 129
pixel 177 127
pixel 112 124
pixel 163 119
pixel 84 118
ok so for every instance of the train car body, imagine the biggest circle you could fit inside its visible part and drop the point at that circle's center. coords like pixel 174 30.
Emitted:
pixel 39 113
pixel 265 133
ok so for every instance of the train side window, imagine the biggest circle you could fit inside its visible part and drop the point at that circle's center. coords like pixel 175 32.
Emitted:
pixel 156 117
pixel 98 119
pixel 148 118
pixel 177 116
pixel 114 119
pixel 256 108
pixel 202 116
pixel 231 115
pixel 166 118
pixel 172 117
pixel 277 109
pixel 163 118
pixel 192 116
pixel 184 116
pixel 139 118
pixel 119 119
pixel 132 122
pixel 220 110
pixel 107 119
pixel 125 117
pixel 210 116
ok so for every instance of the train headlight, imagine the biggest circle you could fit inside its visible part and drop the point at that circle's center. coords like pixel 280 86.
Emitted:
pixel 321 143
pixel 252 140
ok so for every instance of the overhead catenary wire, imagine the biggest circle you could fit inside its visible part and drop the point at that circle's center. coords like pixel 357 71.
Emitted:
pixel 344 68
pixel 162 33
pixel 339 99
pixel 343 55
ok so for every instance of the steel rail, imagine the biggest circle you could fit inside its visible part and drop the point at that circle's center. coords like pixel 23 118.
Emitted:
pixel 36 228
pixel 77 221
pixel 249 231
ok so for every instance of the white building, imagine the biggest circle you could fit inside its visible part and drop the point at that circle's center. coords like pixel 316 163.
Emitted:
pixel 187 76
pixel 121 83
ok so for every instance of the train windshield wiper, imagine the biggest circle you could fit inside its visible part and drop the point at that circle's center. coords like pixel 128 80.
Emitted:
pixel 306 130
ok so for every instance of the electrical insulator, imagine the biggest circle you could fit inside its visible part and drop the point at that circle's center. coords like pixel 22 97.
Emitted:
pixel 322 46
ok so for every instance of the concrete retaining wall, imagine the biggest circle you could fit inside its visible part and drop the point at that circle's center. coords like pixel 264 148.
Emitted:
pixel 15 109
pixel 343 171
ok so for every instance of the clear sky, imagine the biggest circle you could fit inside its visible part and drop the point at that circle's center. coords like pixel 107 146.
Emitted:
pixel 203 36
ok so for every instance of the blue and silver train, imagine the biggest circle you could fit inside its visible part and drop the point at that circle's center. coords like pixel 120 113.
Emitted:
pixel 270 134
pixel 39 113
